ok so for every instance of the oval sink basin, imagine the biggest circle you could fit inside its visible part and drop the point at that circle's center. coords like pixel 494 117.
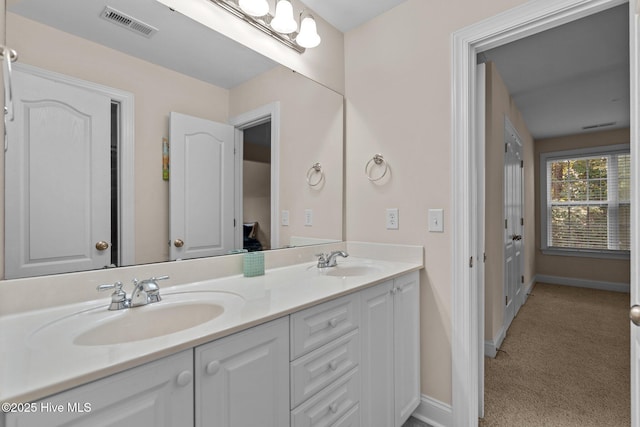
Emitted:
pixel 346 270
pixel 175 313
pixel 138 324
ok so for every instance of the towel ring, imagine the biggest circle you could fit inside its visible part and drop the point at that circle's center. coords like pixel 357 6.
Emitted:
pixel 315 170
pixel 13 55
pixel 378 159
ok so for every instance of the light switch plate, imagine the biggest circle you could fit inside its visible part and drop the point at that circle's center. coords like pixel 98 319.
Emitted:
pixel 308 217
pixel 284 218
pixel 436 218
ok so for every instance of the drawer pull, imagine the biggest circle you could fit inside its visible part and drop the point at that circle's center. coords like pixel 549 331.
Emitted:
pixel 333 407
pixel 333 322
pixel 184 378
pixel 213 367
pixel 333 365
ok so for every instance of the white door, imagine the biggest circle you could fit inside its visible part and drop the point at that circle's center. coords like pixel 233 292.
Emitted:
pixel 57 185
pixel 243 380
pixel 201 187
pixel 634 41
pixel 513 214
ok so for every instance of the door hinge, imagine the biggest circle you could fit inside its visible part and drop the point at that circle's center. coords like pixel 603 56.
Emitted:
pixel 506 148
pixel 471 262
pixel 234 222
pixel 484 257
pixel 234 151
pixel 521 279
pixel 521 221
pixel 522 163
pixel 505 224
pixel 506 300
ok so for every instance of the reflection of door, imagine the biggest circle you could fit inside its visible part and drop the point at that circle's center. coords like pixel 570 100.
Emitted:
pixel 57 185
pixel 201 187
pixel 514 221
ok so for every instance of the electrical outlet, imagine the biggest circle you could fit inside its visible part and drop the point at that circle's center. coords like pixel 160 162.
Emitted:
pixel 308 217
pixel 284 218
pixel 393 222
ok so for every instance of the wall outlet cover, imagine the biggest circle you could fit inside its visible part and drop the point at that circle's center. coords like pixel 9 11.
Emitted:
pixel 393 221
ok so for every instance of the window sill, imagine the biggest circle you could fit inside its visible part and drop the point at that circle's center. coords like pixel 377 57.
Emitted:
pixel 586 253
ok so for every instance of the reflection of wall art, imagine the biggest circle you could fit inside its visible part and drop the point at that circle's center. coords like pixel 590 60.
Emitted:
pixel 165 159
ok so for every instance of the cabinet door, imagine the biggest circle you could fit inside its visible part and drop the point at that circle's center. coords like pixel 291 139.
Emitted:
pixel 157 394
pixel 243 380
pixel 406 345
pixel 376 364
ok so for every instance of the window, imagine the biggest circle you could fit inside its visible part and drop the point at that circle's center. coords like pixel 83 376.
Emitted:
pixel 585 201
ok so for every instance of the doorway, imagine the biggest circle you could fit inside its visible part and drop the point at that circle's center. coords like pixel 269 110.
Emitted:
pixel 468 186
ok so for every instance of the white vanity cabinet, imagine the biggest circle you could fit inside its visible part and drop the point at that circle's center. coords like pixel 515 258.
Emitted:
pixel 243 379
pixel 325 355
pixel 390 363
pixel 157 394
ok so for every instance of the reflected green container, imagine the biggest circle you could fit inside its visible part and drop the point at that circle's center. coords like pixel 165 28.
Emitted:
pixel 253 264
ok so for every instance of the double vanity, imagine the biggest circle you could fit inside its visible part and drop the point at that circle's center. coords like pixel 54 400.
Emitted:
pixel 300 346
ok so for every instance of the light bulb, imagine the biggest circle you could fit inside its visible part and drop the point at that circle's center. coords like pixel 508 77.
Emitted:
pixel 284 22
pixel 254 7
pixel 308 36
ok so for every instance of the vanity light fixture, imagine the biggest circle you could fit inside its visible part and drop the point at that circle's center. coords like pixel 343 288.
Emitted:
pixel 282 27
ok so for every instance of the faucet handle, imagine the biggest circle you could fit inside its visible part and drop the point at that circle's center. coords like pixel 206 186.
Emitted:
pixel 118 297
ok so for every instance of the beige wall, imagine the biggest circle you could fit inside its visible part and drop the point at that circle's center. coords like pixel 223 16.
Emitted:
pixel 605 270
pixel 312 131
pixel 398 91
pixel 2 41
pixel 498 105
pixel 157 91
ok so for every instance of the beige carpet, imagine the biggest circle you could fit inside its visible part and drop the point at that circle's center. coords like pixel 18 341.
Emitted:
pixel 564 362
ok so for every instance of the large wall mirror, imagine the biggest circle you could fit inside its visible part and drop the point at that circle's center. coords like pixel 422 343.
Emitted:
pixel 138 66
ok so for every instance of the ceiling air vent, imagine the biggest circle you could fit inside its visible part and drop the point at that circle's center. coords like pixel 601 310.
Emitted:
pixel 129 22
pixel 600 125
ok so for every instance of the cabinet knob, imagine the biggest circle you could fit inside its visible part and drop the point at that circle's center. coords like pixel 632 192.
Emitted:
pixel 178 243
pixel 102 245
pixel 184 378
pixel 333 407
pixel 333 365
pixel 213 367
pixel 333 322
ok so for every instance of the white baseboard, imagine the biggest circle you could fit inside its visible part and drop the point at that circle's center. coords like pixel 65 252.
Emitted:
pixel 583 283
pixel 433 412
pixel 491 346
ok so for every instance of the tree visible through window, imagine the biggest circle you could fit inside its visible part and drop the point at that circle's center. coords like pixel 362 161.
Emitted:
pixel 588 202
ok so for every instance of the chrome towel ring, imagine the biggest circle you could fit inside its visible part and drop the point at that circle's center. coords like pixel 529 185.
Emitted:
pixel 378 160
pixel 316 169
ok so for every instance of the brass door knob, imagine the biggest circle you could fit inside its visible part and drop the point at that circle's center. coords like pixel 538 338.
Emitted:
pixel 178 243
pixel 102 245
pixel 634 315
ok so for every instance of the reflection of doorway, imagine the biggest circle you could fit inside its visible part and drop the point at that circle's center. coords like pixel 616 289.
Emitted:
pixel 256 186
pixel 468 186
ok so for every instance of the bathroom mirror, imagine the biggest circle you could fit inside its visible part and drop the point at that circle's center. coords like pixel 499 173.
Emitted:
pixel 169 63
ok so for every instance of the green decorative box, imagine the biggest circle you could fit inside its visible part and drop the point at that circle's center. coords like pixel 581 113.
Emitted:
pixel 253 264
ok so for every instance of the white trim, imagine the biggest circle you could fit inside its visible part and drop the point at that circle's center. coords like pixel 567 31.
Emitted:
pixel 527 19
pixel 634 45
pixel 254 117
pixel 583 283
pixel 433 412
pixel 491 346
pixel 126 223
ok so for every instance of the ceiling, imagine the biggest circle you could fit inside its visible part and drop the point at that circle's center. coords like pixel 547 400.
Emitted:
pixel 562 80
pixel 572 77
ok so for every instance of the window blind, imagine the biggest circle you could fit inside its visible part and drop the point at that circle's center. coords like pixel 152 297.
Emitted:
pixel 588 204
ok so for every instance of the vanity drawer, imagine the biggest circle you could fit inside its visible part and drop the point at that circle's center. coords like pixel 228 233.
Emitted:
pixel 314 371
pixel 316 326
pixel 332 406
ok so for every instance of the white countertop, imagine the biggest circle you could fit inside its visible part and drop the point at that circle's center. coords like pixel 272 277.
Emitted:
pixel 36 362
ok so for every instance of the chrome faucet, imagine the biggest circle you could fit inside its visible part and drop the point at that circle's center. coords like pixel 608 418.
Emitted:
pixel 144 292
pixel 330 260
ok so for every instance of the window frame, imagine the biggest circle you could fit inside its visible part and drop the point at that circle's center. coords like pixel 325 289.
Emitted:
pixel 564 155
